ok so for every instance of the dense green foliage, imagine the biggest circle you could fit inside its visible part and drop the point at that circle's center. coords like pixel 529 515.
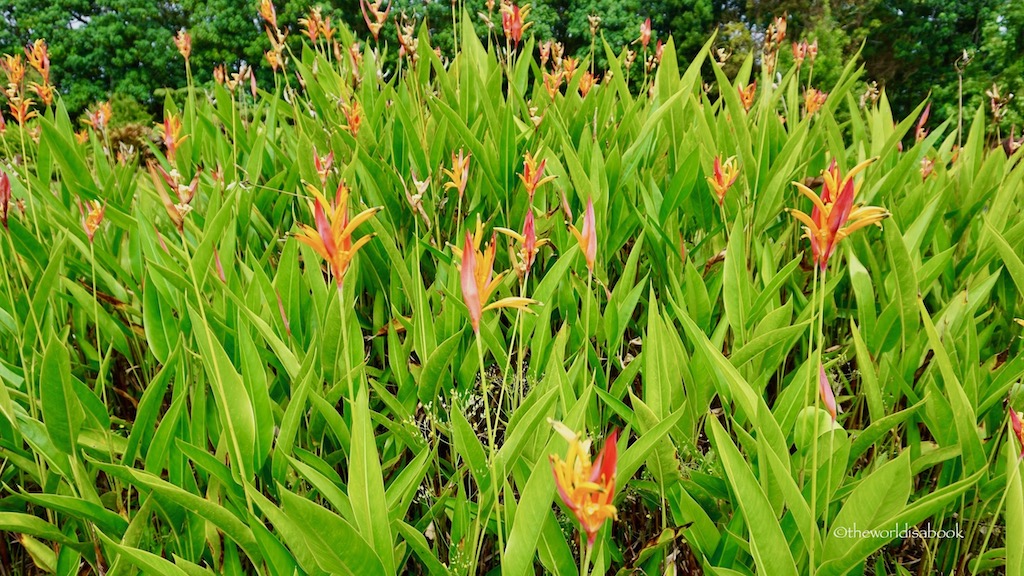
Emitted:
pixel 911 47
pixel 187 387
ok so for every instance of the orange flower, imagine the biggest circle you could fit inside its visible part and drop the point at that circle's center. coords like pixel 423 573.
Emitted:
pixel 332 237
pixel 169 131
pixel 20 109
pixel 92 218
pixel 459 174
pixel 513 21
pixel 586 488
pixel 545 54
pixel 588 237
pixel 100 117
pixel 833 210
pixel 5 197
pixel 724 177
pixel 353 117
pixel 569 66
pixel 185 194
pixel 183 40
pixel 379 16
pixel 268 12
pixel 13 68
pixel 323 165
pixel 39 58
pixel 645 33
pixel 814 99
pixel 553 82
pixel 528 241
pixel 533 174
pixel 799 52
pixel 747 95
pixel 478 279
pixel 313 24
pixel 587 82
pixel 44 91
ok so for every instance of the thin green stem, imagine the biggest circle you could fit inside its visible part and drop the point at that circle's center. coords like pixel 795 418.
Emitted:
pixel 995 518
pixel 495 480
pixel 586 550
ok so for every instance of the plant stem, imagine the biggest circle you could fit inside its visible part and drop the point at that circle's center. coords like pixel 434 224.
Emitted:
pixel 585 555
pixel 495 481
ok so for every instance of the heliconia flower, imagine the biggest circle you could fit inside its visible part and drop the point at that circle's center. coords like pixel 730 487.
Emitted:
pixel 587 82
pixel 533 174
pixel 513 21
pixel 416 200
pixel 91 218
pixel 814 99
pixel 659 51
pixel 927 167
pixel 14 68
pixel 529 244
pixel 353 117
pixel 1018 429
pixel 379 16
pixel 725 175
pixel 5 197
pixel 779 29
pixel 921 133
pixel 183 40
pixel 595 22
pixel 184 193
pixel 44 91
pixel 545 54
pixel 569 66
pixel 219 73
pixel 557 49
pixel 799 52
pixel 99 118
pixel 269 13
pixel 747 95
pixel 478 279
pixel 835 216
pixel 274 58
pixel 588 237
pixel 645 33
pixel 3 123
pixel 586 488
pixel 39 58
pixel 170 130
pixel 553 82
pixel 21 109
pixel 828 397
pixel 323 165
pixel 313 24
pixel 332 237
pixel 459 174
pixel 812 51
pixel 327 29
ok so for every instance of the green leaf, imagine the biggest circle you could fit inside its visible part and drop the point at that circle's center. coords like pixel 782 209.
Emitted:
pixel 61 411
pixel 768 544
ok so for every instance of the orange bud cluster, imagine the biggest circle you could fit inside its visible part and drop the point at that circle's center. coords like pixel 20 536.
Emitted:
pixel 376 23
